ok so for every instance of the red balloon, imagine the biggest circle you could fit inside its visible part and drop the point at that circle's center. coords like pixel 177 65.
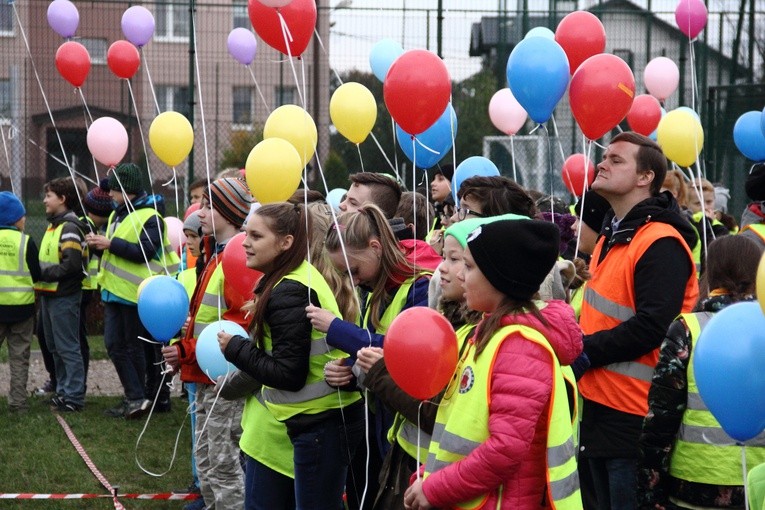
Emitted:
pixel 421 364
pixel 123 59
pixel 573 173
pixel 644 115
pixel 191 209
pixel 238 276
pixel 417 89
pixel 581 35
pixel 299 16
pixel 73 62
pixel 601 94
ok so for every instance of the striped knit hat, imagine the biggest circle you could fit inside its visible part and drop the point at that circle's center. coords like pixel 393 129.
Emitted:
pixel 230 198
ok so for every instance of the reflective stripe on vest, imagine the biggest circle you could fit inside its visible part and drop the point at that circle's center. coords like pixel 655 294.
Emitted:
pixel 462 422
pixel 316 395
pixel 16 286
pixel 212 298
pixel 703 452
pixel 49 255
pixel 609 300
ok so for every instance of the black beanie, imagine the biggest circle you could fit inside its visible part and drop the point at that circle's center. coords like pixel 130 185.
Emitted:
pixel 126 177
pixel 595 210
pixel 755 183
pixel 515 255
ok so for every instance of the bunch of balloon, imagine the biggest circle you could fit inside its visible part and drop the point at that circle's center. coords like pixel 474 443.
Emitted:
pixel 661 78
pixel 163 306
pixel 298 16
pixel 273 170
pixel 63 17
pixel 353 111
pixel 382 55
pixel 171 137
pixel 123 59
pixel 581 35
pixel 644 114
pixel 138 25
pixel 691 17
pixel 293 124
pixel 681 137
pixel 240 279
pixel 73 62
pixel 474 166
pixel 578 172
pixel 430 146
pixel 749 135
pixel 107 141
pixel 242 45
pixel 208 353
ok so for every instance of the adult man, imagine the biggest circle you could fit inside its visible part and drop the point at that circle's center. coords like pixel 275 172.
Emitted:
pixel 643 276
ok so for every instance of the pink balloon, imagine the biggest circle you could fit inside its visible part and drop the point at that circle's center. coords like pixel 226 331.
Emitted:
pixel 691 17
pixel 107 140
pixel 175 233
pixel 661 77
pixel 506 113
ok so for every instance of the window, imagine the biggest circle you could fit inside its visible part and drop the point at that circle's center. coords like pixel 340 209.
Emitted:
pixel 6 18
pixel 284 95
pixel 172 20
pixel 5 100
pixel 173 97
pixel 97 49
pixel 241 17
pixel 242 97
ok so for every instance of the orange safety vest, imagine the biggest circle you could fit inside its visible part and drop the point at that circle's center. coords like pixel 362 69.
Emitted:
pixel 609 300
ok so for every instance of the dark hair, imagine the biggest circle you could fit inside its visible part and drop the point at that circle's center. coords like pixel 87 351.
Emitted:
pixel 497 195
pixel 731 266
pixel 649 157
pixel 385 192
pixel 283 219
pixel 493 322
pixel 65 188
pixel 419 205
pixel 300 194
pixel 199 183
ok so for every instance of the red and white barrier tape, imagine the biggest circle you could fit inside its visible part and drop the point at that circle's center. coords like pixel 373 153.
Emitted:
pixel 163 496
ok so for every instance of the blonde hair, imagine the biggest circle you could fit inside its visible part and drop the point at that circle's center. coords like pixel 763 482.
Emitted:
pixel 675 183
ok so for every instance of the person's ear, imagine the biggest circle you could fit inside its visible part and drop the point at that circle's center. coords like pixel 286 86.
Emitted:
pixel 286 242
pixel 645 178
pixel 376 246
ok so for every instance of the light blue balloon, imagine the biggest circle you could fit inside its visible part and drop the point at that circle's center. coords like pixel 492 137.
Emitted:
pixel 537 73
pixel 762 121
pixel 540 32
pixel 474 166
pixel 437 137
pixel 690 111
pixel 382 55
pixel 653 136
pixel 335 196
pixel 209 355
pixel 163 307
pixel 748 136
pixel 728 360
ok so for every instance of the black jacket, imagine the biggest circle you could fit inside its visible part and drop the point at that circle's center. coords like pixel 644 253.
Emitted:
pixel 150 237
pixel 73 250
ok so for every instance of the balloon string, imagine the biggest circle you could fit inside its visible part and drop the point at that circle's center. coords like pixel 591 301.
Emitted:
pixel 414 205
pixel 287 40
pixel 324 50
pixel 361 160
pixel 201 103
pixel 8 158
pixel 587 150
pixel 557 137
pixel 88 123
pixel 744 476
pixel 151 84
pixel 387 160
pixel 257 87
pixel 550 172
pixel 84 104
pixel 512 155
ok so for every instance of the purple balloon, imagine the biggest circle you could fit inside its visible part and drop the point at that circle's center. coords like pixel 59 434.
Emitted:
pixel 63 17
pixel 138 25
pixel 242 45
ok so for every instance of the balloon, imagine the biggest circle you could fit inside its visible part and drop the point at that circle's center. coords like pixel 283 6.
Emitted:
pixel 382 55
pixel 760 286
pixel 192 208
pixel 573 173
pixel 273 170
pixel 353 110
pixel 540 32
pixel 275 3
pixel 143 284
pixel 691 17
pixel 472 167
pixel 242 45
pixel 107 140
pixel 239 278
pixel 601 94
pixel 416 90
pixel 654 135
pixel 430 146
pixel 334 197
pixel 537 72
pixel 421 365
pixel 681 137
pixel 748 136
pixel 506 113
pixel 208 353
pixel 123 59
pixel 63 17
pixel 171 137
pixel 661 77
pixel 728 361
pixel 138 25
pixel 73 62
pixel 692 112
pixel 299 16
pixel 644 114
pixel 581 35
pixel 292 123
pixel 175 233
pixel 163 307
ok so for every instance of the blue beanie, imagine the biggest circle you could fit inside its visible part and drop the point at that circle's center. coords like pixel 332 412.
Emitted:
pixel 11 209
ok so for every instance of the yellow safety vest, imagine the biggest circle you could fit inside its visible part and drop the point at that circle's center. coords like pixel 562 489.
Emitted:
pixel 122 277
pixel 316 396
pixel 188 278
pixel 49 255
pixel 703 452
pixel 264 438
pixel 212 298
pixel 90 282
pixel 16 286
pixel 462 422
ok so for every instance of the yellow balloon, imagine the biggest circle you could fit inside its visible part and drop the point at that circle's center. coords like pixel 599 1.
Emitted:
pixel 353 110
pixel 292 123
pixel 273 170
pixel 171 137
pixel 681 137
pixel 761 283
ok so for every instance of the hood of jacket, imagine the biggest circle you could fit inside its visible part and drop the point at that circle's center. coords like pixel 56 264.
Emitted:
pixel 71 217
pixel 142 201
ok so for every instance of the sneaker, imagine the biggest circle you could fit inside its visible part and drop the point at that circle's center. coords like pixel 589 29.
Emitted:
pixel 136 409
pixel 163 406
pixel 197 504
pixel 64 406
pixel 45 389
pixel 117 412
pixel 191 489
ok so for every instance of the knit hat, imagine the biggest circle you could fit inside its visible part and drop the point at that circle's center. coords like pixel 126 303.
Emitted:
pixel 447 170
pixel 11 209
pixel 230 198
pixel 98 201
pixel 595 210
pixel 755 183
pixel 462 229
pixel 515 256
pixel 128 175
pixel 193 223
pixel 563 222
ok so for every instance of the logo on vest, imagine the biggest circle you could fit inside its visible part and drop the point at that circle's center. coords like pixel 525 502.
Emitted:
pixel 467 380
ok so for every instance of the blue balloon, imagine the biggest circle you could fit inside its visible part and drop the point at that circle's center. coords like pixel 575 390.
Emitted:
pixel 653 136
pixel 437 137
pixel 537 73
pixel 163 306
pixel 209 355
pixel 540 32
pixel 762 121
pixel 382 55
pixel 748 136
pixel 472 167
pixel 728 360
pixel 335 196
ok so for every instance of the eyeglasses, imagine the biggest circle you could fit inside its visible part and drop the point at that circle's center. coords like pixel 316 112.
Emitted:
pixel 463 212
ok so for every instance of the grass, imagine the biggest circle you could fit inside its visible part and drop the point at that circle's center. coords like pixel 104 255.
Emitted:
pixel 96 343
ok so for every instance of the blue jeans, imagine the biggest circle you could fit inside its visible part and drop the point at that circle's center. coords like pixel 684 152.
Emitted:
pixel 191 390
pixel 61 324
pixel 615 483
pixel 266 489
pixel 122 326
